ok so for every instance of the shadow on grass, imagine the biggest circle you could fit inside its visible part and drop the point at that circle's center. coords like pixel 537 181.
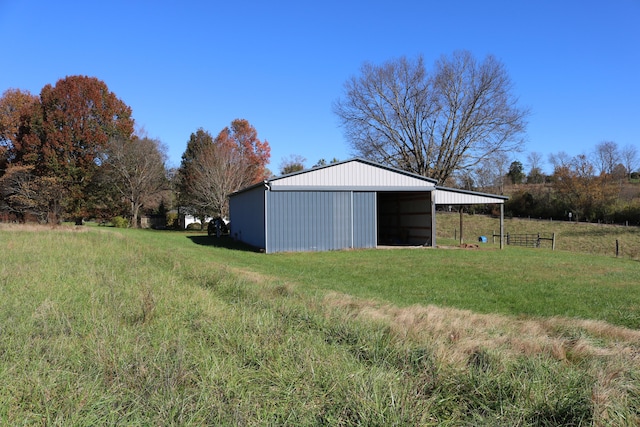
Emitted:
pixel 225 242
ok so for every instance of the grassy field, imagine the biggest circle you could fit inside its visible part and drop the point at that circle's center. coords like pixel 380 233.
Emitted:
pixel 579 237
pixel 125 327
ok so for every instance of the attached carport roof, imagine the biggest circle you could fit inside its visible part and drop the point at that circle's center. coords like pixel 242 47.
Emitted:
pixel 454 196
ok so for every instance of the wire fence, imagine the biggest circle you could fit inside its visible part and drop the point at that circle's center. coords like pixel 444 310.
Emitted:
pixel 531 240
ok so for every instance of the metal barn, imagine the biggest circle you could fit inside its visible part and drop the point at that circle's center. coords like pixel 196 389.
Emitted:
pixel 352 204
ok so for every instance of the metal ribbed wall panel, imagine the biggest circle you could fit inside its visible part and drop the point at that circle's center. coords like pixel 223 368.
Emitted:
pixel 308 221
pixel 320 220
pixel 351 174
pixel 246 211
pixel 364 220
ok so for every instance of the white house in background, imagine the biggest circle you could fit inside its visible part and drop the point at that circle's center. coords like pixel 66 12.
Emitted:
pixel 351 204
pixel 185 220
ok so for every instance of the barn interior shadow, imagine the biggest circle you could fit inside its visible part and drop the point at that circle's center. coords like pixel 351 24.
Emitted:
pixel 225 242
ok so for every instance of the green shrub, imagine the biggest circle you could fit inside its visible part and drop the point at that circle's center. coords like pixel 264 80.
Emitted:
pixel 194 226
pixel 172 220
pixel 120 222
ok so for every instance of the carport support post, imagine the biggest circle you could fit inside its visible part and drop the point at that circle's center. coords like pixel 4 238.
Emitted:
pixel 433 219
pixel 461 233
pixel 501 225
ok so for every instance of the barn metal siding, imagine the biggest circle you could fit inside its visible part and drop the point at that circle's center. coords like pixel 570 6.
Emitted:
pixel 246 211
pixel 364 219
pixel 308 221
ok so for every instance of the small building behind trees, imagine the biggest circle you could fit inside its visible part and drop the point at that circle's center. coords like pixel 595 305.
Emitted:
pixel 345 205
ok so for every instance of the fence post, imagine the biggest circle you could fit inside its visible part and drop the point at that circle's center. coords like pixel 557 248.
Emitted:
pixel 617 248
pixel 461 229
pixel 501 226
pixel 553 242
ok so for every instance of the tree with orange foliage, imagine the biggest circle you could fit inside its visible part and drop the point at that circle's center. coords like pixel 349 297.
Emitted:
pixel 64 134
pixel 580 190
pixel 254 154
pixel 212 169
pixel 80 115
pixel 17 109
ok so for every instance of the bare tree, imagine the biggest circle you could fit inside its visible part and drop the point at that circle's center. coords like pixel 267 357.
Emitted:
pixel 23 193
pixel 217 171
pixel 560 160
pixel 535 175
pixel 489 175
pixel 465 180
pixel 629 157
pixel 136 169
pixel 501 162
pixel 17 191
pixel 213 169
pixel 432 125
pixel 534 160
pixel 485 176
pixel 607 156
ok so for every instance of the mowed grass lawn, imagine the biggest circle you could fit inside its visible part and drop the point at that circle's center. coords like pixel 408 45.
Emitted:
pixel 101 326
pixel 515 281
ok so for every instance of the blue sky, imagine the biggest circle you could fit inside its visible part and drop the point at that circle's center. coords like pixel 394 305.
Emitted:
pixel 281 64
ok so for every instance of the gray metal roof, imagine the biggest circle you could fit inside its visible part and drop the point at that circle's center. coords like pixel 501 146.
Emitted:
pixel 358 173
pixel 455 196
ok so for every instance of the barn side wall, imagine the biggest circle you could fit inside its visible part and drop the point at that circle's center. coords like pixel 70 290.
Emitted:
pixel 246 212
pixel 364 219
pixel 320 220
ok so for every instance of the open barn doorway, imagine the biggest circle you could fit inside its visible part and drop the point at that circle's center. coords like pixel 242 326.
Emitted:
pixel 404 218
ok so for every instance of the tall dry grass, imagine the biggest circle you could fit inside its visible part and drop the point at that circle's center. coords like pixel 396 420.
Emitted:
pixel 457 338
pixel 143 328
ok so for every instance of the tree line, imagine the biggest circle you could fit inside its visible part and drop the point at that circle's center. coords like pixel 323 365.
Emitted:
pixel 72 153
pixel 602 185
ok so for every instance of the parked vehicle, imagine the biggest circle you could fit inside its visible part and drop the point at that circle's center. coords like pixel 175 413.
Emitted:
pixel 219 226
